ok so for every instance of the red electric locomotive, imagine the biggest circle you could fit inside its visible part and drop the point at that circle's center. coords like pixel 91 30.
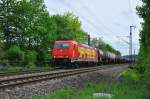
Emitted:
pixel 72 53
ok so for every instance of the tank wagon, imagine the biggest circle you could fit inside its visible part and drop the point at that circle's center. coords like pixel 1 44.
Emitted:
pixel 73 54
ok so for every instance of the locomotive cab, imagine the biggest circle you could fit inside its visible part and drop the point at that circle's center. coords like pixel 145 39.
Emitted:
pixel 62 52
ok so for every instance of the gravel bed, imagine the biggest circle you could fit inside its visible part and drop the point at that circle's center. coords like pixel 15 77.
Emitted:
pixel 45 87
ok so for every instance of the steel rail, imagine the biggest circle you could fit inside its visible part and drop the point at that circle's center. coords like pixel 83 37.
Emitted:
pixel 24 72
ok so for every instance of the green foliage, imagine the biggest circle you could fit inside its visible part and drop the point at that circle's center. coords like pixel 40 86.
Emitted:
pixel 9 69
pixel 27 24
pixel 144 68
pixel 119 90
pixel 14 56
pixel 3 59
pixel 14 53
pixel 131 75
pixel 67 26
pixel 146 77
pixel 99 43
pixel 2 53
pixel 144 54
pixel 30 58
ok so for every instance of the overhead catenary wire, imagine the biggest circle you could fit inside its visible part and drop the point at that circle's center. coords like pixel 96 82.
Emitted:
pixel 131 11
pixel 97 19
pixel 109 31
pixel 91 23
pixel 101 27
pixel 84 18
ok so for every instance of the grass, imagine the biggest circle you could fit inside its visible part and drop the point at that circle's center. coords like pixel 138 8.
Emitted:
pixel 119 90
pixel 9 69
pixel 17 69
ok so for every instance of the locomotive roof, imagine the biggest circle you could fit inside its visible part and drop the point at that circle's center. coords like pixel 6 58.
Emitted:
pixel 85 45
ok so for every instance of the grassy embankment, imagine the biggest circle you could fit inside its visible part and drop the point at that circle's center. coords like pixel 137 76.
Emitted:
pixel 17 69
pixel 130 87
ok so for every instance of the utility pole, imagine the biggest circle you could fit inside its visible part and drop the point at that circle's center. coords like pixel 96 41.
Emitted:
pixel 129 42
pixel 89 39
pixel 130 51
pixel 134 55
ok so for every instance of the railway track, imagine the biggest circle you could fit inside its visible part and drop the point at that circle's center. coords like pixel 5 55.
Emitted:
pixel 37 77
pixel 25 72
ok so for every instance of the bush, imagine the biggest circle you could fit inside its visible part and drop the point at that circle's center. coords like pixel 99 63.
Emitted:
pixel 146 74
pixel 2 53
pixel 146 77
pixel 30 58
pixel 15 55
pixel 44 58
pixel 130 75
pixel 3 61
pixel 144 66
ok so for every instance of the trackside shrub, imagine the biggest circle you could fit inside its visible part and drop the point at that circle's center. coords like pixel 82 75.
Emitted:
pixel 2 53
pixel 15 55
pixel 3 61
pixel 130 75
pixel 144 67
pixel 44 59
pixel 30 58
pixel 146 77
pixel 144 53
pixel 146 74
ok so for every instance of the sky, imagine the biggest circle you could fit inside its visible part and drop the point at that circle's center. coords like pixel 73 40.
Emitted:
pixel 108 19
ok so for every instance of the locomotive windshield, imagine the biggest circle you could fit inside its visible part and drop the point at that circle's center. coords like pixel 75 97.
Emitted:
pixel 61 45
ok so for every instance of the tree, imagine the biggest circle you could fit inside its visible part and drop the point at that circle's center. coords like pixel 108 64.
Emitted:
pixel 67 26
pixel 99 43
pixel 144 54
pixel 27 25
pixel 6 11
pixel 23 23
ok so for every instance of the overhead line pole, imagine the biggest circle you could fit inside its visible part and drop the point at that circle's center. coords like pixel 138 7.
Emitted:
pixel 89 39
pixel 129 43
pixel 134 55
pixel 131 27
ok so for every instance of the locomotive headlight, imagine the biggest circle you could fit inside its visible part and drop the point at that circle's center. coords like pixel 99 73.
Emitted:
pixel 54 56
pixel 66 56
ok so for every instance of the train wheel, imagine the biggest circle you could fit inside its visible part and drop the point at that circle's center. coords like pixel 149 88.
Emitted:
pixel 75 65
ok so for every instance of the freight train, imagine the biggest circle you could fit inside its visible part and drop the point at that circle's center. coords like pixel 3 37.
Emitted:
pixel 73 54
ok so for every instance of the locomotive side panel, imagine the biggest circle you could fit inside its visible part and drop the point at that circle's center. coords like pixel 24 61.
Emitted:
pixel 84 53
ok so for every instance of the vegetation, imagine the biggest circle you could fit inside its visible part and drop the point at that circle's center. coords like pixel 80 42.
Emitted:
pixel 135 83
pixel 144 54
pixel 119 90
pixel 27 31
pixel 99 43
